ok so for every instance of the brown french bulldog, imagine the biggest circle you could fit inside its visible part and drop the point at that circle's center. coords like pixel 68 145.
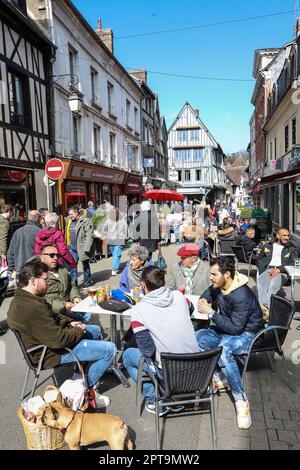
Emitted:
pixel 82 429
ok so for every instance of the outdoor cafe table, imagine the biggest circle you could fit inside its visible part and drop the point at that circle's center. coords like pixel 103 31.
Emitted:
pixel 86 306
pixel 294 274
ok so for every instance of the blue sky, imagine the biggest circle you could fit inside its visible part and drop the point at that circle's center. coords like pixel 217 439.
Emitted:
pixel 220 51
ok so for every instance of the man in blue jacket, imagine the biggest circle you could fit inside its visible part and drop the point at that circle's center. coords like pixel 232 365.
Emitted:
pixel 236 317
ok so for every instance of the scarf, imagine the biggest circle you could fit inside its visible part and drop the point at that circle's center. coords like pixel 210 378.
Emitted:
pixel 188 274
pixel 135 275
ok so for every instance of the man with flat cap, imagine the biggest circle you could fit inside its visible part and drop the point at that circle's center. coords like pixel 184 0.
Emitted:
pixel 190 273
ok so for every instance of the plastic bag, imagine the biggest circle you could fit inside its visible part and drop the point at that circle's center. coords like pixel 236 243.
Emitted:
pixel 73 393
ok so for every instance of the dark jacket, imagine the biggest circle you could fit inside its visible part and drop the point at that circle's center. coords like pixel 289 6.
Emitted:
pixel 61 290
pixel 22 245
pixel 237 310
pixel 34 319
pixel 149 231
pixel 288 255
pixel 247 243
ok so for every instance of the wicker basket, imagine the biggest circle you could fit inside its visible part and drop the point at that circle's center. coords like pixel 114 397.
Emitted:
pixel 41 437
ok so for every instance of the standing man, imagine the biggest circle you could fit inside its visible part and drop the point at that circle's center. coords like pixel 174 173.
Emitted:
pixel 33 318
pixel 235 317
pixel 91 209
pixel 271 262
pixel 22 243
pixel 6 213
pixel 80 241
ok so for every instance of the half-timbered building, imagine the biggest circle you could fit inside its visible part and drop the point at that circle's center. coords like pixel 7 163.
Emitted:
pixel 196 160
pixel 25 106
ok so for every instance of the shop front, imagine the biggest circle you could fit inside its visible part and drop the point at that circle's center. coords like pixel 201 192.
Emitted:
pixel 84 182
pixel 17 189
pixel 133 188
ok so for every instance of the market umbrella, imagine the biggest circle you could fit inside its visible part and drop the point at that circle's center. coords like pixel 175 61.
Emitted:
pixel 163 195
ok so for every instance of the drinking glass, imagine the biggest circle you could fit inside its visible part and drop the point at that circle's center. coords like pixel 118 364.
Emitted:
pixel 297 264
pixel 92 293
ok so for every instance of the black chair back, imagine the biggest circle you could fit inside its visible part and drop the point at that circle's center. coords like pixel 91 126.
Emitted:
pixel 225 246
pixel 3 288
pixel 239 253
pixel 281 314
pixel 23 349
pixel 187 374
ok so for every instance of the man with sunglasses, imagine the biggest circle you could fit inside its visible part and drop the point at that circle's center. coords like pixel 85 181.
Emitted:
pixel 62 294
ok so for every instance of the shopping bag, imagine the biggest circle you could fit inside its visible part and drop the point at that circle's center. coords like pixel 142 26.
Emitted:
pixel 3 268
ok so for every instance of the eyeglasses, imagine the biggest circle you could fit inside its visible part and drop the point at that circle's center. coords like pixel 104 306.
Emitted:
pixel 52 255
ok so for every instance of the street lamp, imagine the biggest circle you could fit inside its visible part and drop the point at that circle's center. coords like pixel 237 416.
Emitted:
pixel 75 103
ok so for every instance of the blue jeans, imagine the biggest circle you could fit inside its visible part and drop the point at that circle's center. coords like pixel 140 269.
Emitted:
pixel 87 275
pixel 92 332
pixel 116 252
pixel 100 354
pixel 131 359
pixel 84 317
pixel 232 345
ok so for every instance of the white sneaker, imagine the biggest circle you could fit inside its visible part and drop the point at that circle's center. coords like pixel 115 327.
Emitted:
pixel 243 414
pixel 102 401
pixel 113 273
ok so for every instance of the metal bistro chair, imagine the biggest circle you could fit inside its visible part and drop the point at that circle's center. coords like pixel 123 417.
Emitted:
pixel 187 379
pixel 3 288
pixel 225 247
pixel 271 339
pixel 241 256
pixel 37 368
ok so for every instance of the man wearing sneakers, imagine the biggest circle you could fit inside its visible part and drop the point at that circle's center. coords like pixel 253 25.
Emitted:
pixel 161 323
pixel 236 317
pixel 30 314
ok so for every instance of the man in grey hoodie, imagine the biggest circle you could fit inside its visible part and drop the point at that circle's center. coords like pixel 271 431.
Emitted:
pixel 161 323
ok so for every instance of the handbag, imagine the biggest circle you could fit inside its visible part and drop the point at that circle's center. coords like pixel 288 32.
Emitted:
pixel 161 262
pixel 114 305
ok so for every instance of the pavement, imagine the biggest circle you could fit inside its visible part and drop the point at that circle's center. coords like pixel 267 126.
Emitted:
pixel 275 409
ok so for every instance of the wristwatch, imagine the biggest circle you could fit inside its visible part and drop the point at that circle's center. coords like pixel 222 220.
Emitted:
pixel 210 315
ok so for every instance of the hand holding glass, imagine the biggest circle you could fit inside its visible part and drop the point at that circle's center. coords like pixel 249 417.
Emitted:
pixel 92 293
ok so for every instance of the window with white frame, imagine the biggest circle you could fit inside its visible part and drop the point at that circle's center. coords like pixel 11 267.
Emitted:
pixel 76 134
pixel 294 131
pixel 73 62
pixel 94 85
pixel 97 142
pixel 183 136
pixel 136 120
pixel 110 96
pixel 187 175
pixel 286 138
pixel 112 148
pixel 128 113
pixel 198 155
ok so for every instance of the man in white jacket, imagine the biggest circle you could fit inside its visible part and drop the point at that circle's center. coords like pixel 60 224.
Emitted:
pixel 161 323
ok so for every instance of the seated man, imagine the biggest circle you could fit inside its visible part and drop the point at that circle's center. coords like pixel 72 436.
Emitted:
pixel 226 230
pixel 271 262
pixel 132 273
pixel 161 323
pixel 235 317
pixel 62 294
pixel 190 273
pixel 30 314
pixel 246 240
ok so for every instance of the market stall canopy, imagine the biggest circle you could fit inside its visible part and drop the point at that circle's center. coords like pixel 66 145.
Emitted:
pixel 163 195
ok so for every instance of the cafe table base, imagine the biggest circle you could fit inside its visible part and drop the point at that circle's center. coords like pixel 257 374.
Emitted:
pixel 86 306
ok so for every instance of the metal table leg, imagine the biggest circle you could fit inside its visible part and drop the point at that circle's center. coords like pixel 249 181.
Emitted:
pixel 116 367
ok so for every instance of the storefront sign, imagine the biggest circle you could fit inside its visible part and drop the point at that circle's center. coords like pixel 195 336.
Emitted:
pixel 75 187
pixel 133 184
pixel 294 161
pixel 101 175
pixel 14 176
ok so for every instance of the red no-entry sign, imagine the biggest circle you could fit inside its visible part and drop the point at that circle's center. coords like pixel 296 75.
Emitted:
pixel 54 169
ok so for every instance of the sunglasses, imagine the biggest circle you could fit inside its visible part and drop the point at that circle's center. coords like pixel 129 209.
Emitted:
pixel 53 255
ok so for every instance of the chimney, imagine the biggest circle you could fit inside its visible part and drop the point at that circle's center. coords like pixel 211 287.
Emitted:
pixel 140 74
pixel 197 112
pixel 106 36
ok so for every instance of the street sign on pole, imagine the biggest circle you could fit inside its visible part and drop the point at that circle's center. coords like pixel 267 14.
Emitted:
pixel 54 169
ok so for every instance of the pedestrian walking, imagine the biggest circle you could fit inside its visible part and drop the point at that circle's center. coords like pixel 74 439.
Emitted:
pixel 21 247
pixel 115 231
pixel 80 241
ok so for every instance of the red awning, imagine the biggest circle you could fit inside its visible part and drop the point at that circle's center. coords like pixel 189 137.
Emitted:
pixel 75 194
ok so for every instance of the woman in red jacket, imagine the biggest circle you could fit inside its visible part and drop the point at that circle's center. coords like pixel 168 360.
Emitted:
pixel 52 235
